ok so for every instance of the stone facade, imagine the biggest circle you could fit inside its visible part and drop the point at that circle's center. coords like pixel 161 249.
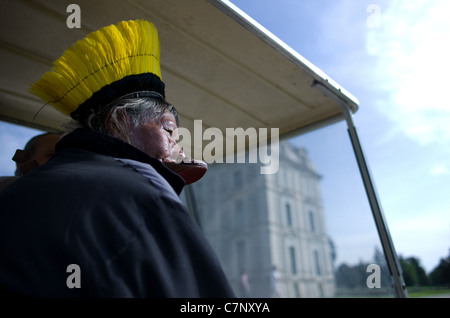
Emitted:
pixel 257 221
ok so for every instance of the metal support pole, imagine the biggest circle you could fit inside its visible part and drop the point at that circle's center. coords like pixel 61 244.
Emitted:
pixel 382 228
pixel 192 204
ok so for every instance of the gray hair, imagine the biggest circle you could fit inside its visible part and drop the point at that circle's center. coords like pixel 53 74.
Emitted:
pixel 114 119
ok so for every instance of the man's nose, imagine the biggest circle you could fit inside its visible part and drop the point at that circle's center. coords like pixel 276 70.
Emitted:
pixel 177 153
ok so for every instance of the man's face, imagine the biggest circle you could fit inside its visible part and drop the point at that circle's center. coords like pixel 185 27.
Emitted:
pixel 158 140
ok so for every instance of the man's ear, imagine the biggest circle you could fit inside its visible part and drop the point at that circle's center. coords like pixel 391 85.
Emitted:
pixel 24 162
pixel 119 129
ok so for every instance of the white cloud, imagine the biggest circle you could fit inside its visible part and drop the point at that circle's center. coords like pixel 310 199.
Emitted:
pixel 413 69
pixel 440 169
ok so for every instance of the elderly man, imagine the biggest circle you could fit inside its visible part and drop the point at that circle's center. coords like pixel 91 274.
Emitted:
pixel 36 152
pixel 102 218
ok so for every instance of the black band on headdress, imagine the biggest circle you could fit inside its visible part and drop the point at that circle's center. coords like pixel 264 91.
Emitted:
pixel 128 85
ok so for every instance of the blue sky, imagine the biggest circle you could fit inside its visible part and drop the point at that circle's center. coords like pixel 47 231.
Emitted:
pixel 391 55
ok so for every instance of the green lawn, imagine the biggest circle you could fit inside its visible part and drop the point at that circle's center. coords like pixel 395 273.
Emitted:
pixel 413 292
pixel 420 292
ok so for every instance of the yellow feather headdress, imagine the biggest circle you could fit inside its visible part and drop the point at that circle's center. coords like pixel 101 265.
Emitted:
pixel 108 63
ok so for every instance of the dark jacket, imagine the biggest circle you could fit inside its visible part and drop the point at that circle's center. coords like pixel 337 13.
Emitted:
pixel 107 207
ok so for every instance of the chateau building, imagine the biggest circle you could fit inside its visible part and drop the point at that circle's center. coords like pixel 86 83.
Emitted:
pixel 256 222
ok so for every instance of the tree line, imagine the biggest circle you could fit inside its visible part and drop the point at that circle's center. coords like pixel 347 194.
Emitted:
pixel 351 277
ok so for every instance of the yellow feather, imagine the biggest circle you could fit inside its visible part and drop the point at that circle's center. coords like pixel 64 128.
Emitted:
pixel 101 58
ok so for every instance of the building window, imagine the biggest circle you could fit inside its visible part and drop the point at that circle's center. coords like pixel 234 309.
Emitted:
pixel 239 215
pixel 311 221
pixel 288 214
pixel 292 259
pixel 237 179
pixel 317 263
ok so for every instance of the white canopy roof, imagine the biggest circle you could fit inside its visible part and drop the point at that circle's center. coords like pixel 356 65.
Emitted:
pixel 219 66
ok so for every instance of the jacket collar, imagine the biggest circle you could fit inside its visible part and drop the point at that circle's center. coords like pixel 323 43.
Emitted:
pixel 89 140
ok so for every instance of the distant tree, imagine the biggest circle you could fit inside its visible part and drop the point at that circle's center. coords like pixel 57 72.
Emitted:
pixel 356 276
pixel 344 276
pixel 379 258
pixel 409 274
pixel 440 275
pixel 413 272
pixel 422 278
pixel 351 276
